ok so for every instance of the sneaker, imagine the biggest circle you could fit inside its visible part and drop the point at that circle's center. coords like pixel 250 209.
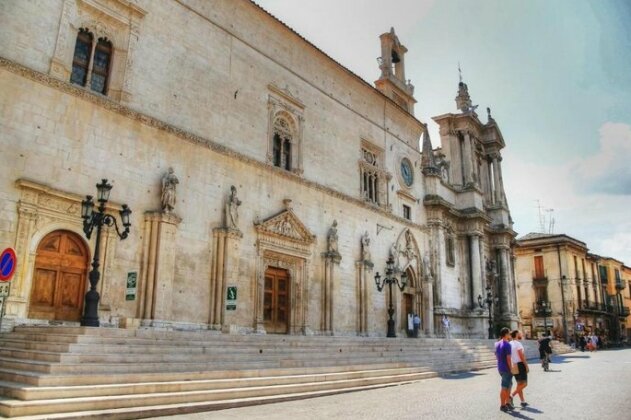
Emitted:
pixel 510 402
pixel 524 404
pixel 504 408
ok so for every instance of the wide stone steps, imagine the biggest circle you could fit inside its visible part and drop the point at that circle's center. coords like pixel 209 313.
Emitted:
pixel 68 372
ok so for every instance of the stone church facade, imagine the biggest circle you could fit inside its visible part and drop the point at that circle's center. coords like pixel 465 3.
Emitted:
pixel 296 179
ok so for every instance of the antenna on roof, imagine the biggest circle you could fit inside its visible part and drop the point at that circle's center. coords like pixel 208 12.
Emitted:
pixel 546 219
pixel 459 73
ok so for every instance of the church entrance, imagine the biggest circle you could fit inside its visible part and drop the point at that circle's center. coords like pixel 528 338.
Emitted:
pixel 59 279
pixel 276 301
pixel 407 308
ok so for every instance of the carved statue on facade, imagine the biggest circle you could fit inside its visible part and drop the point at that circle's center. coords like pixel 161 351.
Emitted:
pixel 169 183
pixel 365 247
pixel 232 209
pixel 427 268
pixel 409 246
pixel 490 267
pixel 332 239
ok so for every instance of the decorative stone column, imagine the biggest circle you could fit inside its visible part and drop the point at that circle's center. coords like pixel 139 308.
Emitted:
pixel 364 296
pixel 428 305
pixel 224 271
pixel 505 287
pixel 476 268
pixel 497 190
pixel 158 267
pixel 331 259
pixel 468 160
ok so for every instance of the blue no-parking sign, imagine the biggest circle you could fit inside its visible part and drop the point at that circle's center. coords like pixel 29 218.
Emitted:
pixel 8 262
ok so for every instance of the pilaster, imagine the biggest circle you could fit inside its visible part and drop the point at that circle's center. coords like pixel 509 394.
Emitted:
pixel 331 260
pixel 365 317
pixel 224 271
pixel 159 274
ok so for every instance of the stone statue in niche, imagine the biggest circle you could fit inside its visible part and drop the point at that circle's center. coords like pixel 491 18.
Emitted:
pixel 365 247
pixel 409 246
pixel 332 239
pixel 394 252
pixel 427 269
pixel 169 183
pixel 232 209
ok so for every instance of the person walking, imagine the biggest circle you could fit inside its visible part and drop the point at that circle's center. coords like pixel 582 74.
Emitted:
pixel 545 350
pixel 504 363
pixel 520 367
pixel 446 325
pixel 417 325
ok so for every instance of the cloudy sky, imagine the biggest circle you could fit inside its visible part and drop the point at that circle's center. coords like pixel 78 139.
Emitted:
pixel 556 74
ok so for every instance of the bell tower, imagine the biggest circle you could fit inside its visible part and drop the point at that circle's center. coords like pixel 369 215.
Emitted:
pixel 392 82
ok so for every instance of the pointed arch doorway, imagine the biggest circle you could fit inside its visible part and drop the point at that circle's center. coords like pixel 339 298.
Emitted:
pixel 59 277
pixel 411 299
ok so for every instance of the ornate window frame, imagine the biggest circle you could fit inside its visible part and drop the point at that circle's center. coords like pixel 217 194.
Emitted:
pixel 286 119
pixel 118 21
pixel 373 178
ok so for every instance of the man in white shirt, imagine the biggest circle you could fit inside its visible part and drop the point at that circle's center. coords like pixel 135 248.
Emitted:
pixel 518 359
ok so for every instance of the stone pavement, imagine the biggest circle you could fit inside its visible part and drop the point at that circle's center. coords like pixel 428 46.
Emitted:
pixel 579 386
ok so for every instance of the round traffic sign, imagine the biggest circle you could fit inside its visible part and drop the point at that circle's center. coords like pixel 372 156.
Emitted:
pixel 8 262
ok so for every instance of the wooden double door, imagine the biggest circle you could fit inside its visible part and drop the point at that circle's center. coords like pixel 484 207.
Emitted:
pixel 59 278
pixel 276 301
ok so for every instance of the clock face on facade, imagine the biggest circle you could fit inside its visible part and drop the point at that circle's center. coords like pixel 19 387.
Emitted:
pixel 406 172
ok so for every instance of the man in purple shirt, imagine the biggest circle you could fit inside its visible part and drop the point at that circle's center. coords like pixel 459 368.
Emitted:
pixel 503 354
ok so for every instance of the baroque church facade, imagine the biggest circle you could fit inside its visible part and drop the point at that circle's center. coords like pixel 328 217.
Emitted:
pixel 268 183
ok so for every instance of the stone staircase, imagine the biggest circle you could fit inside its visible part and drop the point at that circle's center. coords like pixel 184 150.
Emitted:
pixel 75 372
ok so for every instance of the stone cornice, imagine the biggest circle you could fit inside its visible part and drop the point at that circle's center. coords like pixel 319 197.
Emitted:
pixel 113 106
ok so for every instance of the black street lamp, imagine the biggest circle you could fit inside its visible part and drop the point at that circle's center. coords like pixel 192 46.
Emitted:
pixel 488 302
pixel 390 279
pixel 97 219
pixel 544 307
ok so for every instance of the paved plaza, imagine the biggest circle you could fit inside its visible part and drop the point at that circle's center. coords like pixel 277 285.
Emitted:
pixel 579 386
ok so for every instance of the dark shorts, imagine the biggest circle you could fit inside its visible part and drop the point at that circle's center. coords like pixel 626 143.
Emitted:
pixel 507 379
pixel 522 376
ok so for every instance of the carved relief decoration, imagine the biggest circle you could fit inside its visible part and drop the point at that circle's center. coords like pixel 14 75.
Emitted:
pixel 285 226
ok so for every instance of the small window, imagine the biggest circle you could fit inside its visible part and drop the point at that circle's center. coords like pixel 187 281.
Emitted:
pixel 86 57
pixel 101 65
pixel 281 144
pixel 81 60
pixel 407 212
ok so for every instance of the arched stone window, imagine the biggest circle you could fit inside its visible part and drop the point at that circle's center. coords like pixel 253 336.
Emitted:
pixel 283 135
pixel 81 59
pixel 91 62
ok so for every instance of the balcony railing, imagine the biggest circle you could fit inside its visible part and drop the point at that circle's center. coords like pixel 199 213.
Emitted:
pixel 539 310
pixel 539 277
pixel 624 312
pixel 596 307
pixel 621 285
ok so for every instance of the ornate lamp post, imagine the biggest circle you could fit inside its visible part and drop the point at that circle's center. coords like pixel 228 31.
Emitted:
pixel 390 279
pixel 97 219
pixel 488 302
pixel 544 307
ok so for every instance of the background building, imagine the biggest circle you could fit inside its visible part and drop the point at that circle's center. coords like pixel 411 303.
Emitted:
pixel 571 291
pixel 292 181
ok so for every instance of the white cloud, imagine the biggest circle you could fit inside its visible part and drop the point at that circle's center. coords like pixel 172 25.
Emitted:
pixel 584 208
pixel 609 170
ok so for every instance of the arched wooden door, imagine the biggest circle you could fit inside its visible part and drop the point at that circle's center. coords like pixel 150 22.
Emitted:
pixel 59 278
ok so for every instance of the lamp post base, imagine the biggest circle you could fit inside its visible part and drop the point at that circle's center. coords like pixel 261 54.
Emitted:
pixel 391 332
pixel 90 312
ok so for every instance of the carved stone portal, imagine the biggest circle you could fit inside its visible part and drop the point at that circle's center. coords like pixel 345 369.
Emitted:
pixel 283 241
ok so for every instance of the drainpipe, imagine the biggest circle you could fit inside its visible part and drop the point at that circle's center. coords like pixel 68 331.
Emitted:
pixel 562 295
